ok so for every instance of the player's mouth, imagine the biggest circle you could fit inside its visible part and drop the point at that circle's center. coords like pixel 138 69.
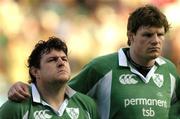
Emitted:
pixel 154 49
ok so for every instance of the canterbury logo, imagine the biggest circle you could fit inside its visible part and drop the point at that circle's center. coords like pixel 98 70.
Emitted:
pixel 127 79
pixel 42 114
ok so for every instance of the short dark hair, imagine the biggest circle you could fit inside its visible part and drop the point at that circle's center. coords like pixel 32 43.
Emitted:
pixel 147 15
pixel 41 48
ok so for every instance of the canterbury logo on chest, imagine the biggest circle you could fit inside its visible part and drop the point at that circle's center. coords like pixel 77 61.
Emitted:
pixel 127 79
pixel 42 114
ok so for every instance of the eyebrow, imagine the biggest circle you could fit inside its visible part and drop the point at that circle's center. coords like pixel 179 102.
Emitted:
pixel 64 56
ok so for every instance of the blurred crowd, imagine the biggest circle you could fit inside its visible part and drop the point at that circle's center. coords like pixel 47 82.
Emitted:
pixel 89 27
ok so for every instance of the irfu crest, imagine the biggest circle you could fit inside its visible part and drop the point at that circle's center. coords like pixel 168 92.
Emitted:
pixel 73 112
pixel 158 79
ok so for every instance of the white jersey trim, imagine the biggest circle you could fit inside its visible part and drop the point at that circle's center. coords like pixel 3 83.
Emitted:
pixel 102 92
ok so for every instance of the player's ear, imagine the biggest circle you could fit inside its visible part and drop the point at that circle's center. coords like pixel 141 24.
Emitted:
pixel 130 37
pixel 35 72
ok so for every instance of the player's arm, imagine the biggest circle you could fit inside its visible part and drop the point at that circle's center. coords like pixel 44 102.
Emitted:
pixel 91 73
pixel 80 81
pixel 19 92
pixel 175 104
pixel 86 79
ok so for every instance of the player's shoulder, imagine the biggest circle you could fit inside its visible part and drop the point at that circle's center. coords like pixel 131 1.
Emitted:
pixel 106 57
pixel 168 65
pixel 166 62
pixel 83 98
pixel 105 60
pixel 78 97
pixel 13 108
pixel 85 101
pixel 12 105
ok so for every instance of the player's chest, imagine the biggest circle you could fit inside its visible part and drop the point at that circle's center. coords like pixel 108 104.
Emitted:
pixel 125 84
pixel 70 112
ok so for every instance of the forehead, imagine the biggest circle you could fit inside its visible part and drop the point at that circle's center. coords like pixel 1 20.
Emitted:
pixel 151 29
pixel 54 52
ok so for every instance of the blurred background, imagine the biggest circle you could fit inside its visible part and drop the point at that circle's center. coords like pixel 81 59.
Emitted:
pixel 90 28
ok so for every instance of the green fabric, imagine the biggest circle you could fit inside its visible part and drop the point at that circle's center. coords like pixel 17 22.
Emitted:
pixel 77 103
pixel 130 96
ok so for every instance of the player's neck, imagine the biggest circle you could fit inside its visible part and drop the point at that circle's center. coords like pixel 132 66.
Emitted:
pixel 54 96
pixel 142 69
pixel 140 61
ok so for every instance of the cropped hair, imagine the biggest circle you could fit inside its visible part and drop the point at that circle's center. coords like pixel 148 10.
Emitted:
pixel 149 16
pixel 43 47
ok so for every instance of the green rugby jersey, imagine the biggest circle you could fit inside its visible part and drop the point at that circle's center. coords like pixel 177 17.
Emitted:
pixel 121 92
pixel 75 106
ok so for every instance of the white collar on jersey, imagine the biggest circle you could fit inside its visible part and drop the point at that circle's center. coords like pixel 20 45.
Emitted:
pixel 123 59
pixel 36 96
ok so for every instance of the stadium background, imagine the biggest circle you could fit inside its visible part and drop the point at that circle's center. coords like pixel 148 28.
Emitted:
pixel 90 28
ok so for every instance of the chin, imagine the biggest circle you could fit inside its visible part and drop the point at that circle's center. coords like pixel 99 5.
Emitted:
pixel 66 78
pixel 154 56
pixel 60 81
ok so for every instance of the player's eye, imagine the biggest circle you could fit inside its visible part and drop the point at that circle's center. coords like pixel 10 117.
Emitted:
pixel 148 34
pixel 160 34
pixel 53 59
pixel 64 59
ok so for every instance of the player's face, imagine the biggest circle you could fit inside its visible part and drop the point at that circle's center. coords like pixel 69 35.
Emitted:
pixel 54 67
pixel 147 42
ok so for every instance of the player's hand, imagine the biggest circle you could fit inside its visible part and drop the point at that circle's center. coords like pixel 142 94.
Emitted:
pixel 19 92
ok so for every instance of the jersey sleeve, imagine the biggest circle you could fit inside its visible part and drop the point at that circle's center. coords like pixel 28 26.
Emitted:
pixel 93 72
pixel 175 106
pixel 176 93
pixel 175 103
pixel 86 79
pixel 11 110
